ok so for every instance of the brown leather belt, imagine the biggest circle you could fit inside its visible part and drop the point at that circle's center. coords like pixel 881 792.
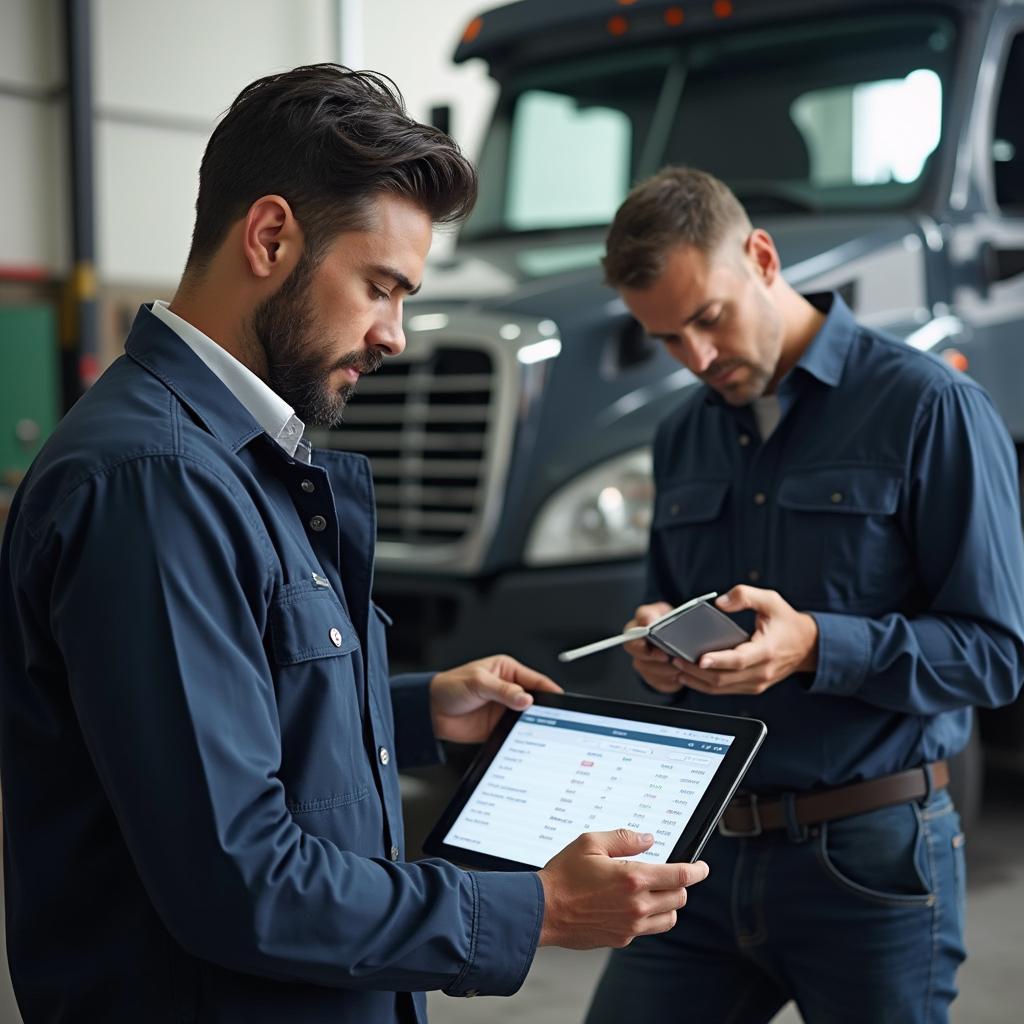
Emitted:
pixel 748 816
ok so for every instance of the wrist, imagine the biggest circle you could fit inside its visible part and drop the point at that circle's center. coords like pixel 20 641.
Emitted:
pixel 809 662
pixel 547 930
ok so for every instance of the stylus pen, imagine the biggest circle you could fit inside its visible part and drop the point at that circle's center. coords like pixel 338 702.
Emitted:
pixel 636 633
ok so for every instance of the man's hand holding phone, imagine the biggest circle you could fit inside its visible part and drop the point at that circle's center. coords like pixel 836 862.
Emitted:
pixel 784 641
pixel 654 666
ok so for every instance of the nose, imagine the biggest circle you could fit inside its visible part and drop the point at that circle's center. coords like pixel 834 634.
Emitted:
pixel 387 333
pixel 698 353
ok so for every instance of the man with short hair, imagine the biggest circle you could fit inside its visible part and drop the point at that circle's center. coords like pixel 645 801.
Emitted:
pixel 197 732
pixel 856 500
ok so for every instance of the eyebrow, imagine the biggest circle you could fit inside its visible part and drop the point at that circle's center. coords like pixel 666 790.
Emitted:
pixel 399 278
pixel 689 320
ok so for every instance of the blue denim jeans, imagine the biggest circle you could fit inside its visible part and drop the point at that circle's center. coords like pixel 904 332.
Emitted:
pixel 859 920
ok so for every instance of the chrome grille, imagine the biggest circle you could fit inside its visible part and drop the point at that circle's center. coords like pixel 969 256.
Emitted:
pixel 425 421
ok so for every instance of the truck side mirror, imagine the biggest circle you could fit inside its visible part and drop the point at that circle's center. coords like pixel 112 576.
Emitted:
pixel 999 264
pixel 441 117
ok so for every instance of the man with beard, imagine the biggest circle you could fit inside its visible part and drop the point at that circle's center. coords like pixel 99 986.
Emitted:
pixel 197 731
pixel 856 500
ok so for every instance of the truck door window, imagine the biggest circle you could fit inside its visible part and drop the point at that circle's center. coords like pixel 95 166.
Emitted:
pixel 1008 136
pixel 569 162
pixel 871 133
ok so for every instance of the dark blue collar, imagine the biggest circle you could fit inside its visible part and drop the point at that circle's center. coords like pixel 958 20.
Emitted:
pixel 825 357
pixel 154 346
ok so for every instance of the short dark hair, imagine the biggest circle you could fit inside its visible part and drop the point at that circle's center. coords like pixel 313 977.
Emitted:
pixel 329 140
pixel 677 206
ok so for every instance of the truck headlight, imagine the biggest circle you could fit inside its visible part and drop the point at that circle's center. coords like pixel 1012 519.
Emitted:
pixel 603 513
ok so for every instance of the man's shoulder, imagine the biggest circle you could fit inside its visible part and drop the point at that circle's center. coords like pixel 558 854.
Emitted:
pixel 883 362
pixel 128 415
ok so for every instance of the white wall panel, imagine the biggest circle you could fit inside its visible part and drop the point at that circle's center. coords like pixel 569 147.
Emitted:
pixel 35 229
pixel 190 58
pixel 147 180
pixel 165 72
pixel 413 43
pixel 32 144
pixel 31 48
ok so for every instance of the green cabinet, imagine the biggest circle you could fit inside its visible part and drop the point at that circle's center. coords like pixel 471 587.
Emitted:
pixel 29 386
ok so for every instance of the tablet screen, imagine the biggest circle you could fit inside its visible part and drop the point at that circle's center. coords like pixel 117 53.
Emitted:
pixel 562 772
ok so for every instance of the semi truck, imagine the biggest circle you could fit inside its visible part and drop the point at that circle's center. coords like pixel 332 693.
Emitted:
pixel 880 143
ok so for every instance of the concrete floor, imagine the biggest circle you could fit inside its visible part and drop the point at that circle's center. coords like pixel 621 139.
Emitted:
pixel 559 985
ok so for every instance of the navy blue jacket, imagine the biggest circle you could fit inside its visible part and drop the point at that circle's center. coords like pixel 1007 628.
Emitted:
pixel 198 738
pixel 885 503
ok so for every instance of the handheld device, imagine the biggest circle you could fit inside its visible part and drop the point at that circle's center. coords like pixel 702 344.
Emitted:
pixel 689 631
pixel 571 764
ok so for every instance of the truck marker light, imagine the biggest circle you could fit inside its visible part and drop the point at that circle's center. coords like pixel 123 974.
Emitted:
pixel 956 359
pixel 722 8
pixel 472 30
pixel 618 25
pixel 674 16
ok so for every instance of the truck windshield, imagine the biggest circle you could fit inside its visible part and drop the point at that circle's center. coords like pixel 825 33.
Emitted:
pixel 831 114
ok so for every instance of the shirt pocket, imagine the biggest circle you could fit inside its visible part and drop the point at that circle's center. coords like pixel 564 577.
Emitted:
pixel 317 669
pixel 841 546
pixel 690 540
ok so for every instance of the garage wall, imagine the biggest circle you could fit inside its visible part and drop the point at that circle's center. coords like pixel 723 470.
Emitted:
pixel 163 73
pixel 32 127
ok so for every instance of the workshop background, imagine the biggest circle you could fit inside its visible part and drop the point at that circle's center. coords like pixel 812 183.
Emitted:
pixel 105 108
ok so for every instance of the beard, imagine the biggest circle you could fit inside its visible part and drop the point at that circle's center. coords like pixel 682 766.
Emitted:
pixel 295 346
pixel 759 375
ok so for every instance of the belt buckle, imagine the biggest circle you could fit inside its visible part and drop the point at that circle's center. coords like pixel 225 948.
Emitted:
pixel 743 833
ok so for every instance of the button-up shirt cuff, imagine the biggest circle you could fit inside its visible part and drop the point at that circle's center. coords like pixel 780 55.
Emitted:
pixel 508 910
pixel 844 654
pixel 415 743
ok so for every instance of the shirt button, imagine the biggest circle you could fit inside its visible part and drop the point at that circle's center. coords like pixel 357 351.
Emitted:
pixel 744 440
pixel 394 853
pixel 318 523
pixel 385 757
pixel 336 637
pixel 308 486
pixel 837 497
pixel 759 498
pixel 753 575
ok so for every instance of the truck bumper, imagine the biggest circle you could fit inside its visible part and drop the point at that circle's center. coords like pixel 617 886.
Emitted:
pixel 532 615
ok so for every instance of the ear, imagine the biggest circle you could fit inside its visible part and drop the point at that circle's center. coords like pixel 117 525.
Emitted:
pixel 271 238
pixel 764 257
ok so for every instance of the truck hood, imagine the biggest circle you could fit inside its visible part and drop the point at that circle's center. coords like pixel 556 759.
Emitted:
pixel 530 274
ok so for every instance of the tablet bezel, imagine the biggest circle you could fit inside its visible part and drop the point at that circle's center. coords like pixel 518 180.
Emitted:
pixel 748 735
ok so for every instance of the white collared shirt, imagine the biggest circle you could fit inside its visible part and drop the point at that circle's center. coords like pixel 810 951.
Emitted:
pixel 267 407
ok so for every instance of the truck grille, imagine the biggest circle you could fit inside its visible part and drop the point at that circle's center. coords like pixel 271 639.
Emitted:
pixel 425 421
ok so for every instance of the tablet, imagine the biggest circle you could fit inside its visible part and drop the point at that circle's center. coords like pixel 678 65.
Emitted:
pixel 571 764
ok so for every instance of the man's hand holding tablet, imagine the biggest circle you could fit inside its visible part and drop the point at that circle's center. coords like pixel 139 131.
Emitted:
pixel 592 899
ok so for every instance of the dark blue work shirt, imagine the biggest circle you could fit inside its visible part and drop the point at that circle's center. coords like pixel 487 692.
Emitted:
pixel 198 737
pixel 885 504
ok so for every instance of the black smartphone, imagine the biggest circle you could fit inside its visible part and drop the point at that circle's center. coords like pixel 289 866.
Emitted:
pixel 696 630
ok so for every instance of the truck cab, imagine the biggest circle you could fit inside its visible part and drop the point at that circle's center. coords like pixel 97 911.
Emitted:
pixel 879 143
